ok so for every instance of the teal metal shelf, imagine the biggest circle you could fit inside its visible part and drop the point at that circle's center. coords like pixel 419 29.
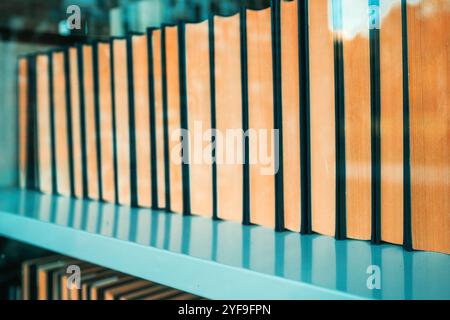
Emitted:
pixel 216 259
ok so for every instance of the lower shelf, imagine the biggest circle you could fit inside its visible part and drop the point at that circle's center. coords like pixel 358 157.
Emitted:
pixel 220 260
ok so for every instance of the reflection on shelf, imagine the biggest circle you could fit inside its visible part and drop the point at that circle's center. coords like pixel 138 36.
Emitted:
pixel 310 259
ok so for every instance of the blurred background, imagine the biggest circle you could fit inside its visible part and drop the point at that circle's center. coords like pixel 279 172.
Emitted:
pixel 28 26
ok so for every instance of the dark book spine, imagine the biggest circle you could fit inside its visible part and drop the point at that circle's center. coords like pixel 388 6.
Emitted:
pixel 80 63
pixel 52 124
pixel 277 113
pixel 375 85
pixel 305 140
pixel 165 120
pixel 131 123
pixel 69 121
pixel 184 118
pixel 407 227
pixel 340 121
pixel 96 72
pixel 212 83
pixel 32 161
pixel 245 120
pixel 114 127
pixel 153 149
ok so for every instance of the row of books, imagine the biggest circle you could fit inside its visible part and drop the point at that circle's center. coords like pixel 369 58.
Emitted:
pixel 59 277
pixel 351 119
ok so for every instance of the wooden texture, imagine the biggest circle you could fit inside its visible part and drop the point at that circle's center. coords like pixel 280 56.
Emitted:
pixel 142 120
pixel 173 115
pixel 23 109
pixel 115 292
pixel 261 117
pixel 291 114
pixel 137 295
pixel 29 275
pixel 185 296
pixel 429 70
pixel 323 137
pixel 391 122
pixel 159 118
pixel 357 119
pixel 121 117
pixel 162 295
pixel 106 122
pixel 43 116
pixel 89 118
pixel 98 289
pixel 87 282
pixel 60 124
pixel 199 117
pixel 76 127
pixel 66 292
pixel 228 83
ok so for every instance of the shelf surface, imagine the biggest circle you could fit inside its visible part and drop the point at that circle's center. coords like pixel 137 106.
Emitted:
pixel 217 259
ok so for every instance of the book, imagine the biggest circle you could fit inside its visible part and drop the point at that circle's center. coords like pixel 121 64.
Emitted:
pixel 136 285
pixel 89 123
pixel 61 124
pixel 98 289
pixel 139 83
pixel 429 134
pixel 139 294
pixel 23 115
pixel 60 290
pixel 261 133
pixel 77 133
pixel 160 112
pixel 106 120
pixel 322 120
pixel 229 117
pixel 199 118
pixel 67 288
pixel 28 157
pixel 172 84
pixel 77 293
pixel 86 283
pixel 43 112
pixel 121 119
pixel 164 294
pixel 56 283
pixel 391 122
pixel 290 71
pixel 185 296
pixel 357 106
pixel 45 276
pixel 30 277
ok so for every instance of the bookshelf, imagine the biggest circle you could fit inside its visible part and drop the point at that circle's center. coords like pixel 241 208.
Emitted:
pixel 217 259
